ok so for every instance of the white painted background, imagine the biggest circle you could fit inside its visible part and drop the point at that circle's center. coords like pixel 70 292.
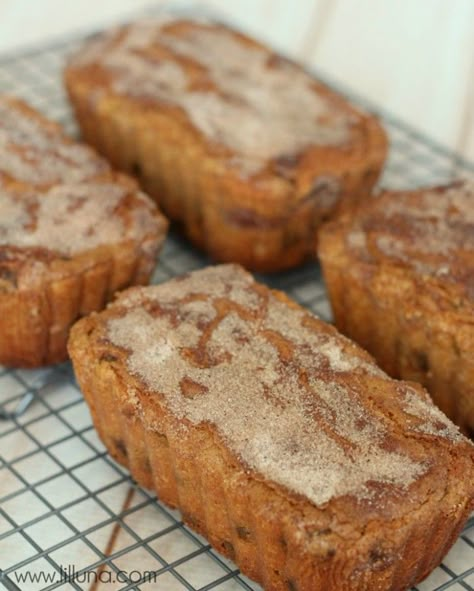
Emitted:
pixel 413 57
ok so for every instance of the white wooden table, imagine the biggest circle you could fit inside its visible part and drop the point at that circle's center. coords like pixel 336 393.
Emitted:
pixel 413 57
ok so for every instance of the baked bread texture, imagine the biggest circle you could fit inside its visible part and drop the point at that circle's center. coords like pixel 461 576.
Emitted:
pixel 72 232
pixel 278 439
pixel 243 148
pixel 400 277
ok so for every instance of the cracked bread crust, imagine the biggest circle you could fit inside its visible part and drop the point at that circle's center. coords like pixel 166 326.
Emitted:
pixel 401 283
pixel 72 232
pixel 278 439
pixel 239 145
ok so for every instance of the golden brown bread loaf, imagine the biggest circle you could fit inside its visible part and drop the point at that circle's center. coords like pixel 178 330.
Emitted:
pixel 278 439
pixel 242 147
pixel 401 281
pixel 71 233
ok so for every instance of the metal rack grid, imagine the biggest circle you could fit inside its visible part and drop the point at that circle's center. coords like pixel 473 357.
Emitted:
pixel 63 501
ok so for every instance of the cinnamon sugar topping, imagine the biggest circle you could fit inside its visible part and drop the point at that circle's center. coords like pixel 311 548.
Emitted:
pixel 286 393
pixel 60 196
pixel 429 230
pixel 37 153
pixel 236 93
pixel 73 218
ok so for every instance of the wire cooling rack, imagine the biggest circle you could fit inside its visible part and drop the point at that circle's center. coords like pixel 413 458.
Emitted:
pixel 70 517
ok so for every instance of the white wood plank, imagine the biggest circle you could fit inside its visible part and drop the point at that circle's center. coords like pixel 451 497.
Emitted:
pixel 31 22
pixel 280 23
pixel 413 58
pixel 466 142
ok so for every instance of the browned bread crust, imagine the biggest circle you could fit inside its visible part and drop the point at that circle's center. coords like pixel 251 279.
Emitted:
pixel 278 439
pixel 72 232
pixel 401 281
pixel 242 147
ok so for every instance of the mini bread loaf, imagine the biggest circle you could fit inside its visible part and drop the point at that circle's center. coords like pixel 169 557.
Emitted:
pixel 243 148
pixel 278 439
pixel 72 232
pixel 401 281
